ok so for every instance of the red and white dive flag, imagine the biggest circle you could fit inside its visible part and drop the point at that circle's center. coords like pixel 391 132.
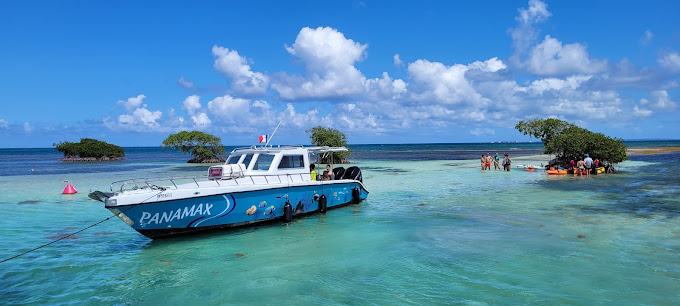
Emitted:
pixel 263 138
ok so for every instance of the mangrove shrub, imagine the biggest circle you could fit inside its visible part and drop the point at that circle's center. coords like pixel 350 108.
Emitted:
pixel 89 149
pixel 204 148
pixel 330 137
pixel 570 142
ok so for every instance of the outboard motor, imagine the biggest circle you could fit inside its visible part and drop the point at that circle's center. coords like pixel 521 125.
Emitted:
pixel 339 172
pixel 353 173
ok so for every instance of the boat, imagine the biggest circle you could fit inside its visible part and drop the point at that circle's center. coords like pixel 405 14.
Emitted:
pixel 254 185
pixel 554 171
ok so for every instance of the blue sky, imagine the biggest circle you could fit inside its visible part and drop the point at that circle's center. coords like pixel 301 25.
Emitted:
pixel 133 72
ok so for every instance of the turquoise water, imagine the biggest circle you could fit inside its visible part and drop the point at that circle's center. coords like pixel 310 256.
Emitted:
pixel 431 232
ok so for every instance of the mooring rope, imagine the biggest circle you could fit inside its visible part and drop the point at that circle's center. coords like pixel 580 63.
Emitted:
pixel 72 234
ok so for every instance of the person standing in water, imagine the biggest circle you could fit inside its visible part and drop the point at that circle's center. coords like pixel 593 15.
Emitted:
pixel 483 160
pixel 496 162
pixel 589 164
pixel 506 162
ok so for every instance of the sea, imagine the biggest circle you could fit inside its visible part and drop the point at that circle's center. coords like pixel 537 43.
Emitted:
pixel 434 230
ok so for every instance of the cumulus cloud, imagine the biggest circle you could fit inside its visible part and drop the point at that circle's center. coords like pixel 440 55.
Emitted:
pixel 434 81
pixel 550 57
pixel 191 104
pixel 670 61
pixel 641 112
pixel 328 58
pixel 647 37
pixel 132 103
pixel 397 61
pixel 236 68
pixel 228 108
pixel 661 101
pixel 3 123
pixel 201 120
pixel 140 118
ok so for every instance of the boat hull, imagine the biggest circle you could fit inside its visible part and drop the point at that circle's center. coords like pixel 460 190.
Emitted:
pixel 191 215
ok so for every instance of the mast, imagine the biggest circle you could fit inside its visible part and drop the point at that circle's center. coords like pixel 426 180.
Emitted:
pixel 270 138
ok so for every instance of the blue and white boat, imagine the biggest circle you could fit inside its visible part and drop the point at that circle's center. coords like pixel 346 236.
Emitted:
pixel 255 184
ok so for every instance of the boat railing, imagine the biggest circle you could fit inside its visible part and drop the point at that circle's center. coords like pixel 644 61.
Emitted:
pixel 206 181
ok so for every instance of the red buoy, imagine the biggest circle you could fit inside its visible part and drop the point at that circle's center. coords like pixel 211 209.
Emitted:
pixel 69 189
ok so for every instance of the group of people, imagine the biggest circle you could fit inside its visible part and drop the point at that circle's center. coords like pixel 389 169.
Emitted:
pixel 488 159
pixel 584 166
pixel 327 175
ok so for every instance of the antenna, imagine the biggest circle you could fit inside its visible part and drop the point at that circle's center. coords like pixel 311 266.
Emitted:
pixel 270 138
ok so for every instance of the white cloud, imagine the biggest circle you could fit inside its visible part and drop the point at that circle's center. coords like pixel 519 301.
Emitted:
pixel 236 68
pixel 525 33
pixel 550 57
pixel 647 37
pixel 661 101
pixel 397 61
pixel 433 81
pixel 384 88
pixel 536 12
pixel 641 112
pixel 201 120
pixel 670 61
pixel 3 123
pixel 185 83
pixel 140 119
pixel 132 103
pixel 328 58
pixel 484 131
pixel 191 104
pixel 228 108
pixel 543 85
pixel 290 116
pixel 27 127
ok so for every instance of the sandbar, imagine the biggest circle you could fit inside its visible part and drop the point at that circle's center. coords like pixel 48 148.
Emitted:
pixel 651 150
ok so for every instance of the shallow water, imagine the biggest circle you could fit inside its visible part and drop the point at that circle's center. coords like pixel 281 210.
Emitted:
pixel 431 232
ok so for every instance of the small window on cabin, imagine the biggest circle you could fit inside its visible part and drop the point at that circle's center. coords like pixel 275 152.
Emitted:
pixel 291 162
pixel 263 162
pixel 247 159
pixel 233 159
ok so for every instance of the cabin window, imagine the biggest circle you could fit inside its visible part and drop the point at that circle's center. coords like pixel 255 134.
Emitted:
pixel 291 162
pixel 263 162
pixel 233 159
pixel 247 159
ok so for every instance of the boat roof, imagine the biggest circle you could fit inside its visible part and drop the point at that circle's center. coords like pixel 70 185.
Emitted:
pixel 277 149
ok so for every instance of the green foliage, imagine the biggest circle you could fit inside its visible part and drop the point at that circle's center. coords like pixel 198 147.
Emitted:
pixel 200 145
pixel 543 129
pixel 89 148
pixel 570 142
pixel 330 137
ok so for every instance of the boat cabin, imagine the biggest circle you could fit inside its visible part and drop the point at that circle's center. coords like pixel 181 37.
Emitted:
pixel 264 162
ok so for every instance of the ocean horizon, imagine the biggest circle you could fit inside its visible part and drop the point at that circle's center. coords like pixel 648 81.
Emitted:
pixel 434 230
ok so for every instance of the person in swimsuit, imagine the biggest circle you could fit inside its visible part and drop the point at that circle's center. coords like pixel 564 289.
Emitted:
pixel 488 161
pixel 580 166
pixel 483 160
pixel 506 162
pixel 496 162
